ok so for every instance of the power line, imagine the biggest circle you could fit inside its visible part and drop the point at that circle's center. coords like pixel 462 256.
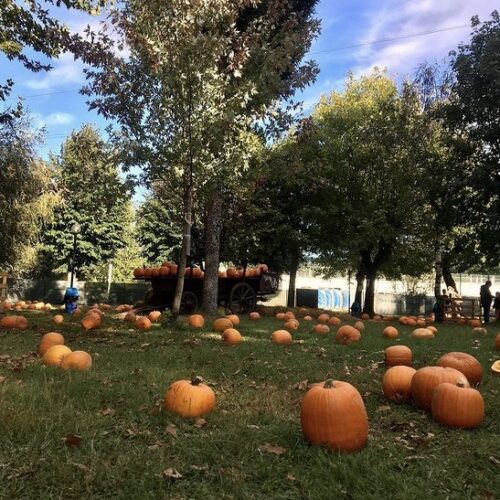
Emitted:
pixel 384 40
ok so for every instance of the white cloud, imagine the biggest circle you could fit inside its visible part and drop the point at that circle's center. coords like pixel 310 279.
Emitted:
pixel 59 119
pixel 65 71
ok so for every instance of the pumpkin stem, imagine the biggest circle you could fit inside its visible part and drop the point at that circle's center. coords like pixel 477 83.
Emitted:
pixel 328 384
pixel 196 380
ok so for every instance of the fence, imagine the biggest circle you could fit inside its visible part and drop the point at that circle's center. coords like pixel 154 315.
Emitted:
pixel 4 289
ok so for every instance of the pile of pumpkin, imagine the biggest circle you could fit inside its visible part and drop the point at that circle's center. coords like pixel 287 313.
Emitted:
pixel 55 353
pixel 14 322
pixel 170 269
pixel 20 305
pixel 142 322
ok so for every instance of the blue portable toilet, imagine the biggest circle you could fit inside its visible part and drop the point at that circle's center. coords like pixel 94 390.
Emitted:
pixel 71 299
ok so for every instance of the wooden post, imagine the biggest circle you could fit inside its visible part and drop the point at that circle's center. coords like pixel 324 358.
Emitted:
pixel 3 285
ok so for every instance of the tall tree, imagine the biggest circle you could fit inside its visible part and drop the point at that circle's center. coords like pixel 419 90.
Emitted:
pixel 199 74
pixel 94 196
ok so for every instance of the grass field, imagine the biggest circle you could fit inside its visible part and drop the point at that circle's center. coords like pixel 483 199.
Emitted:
pixel 251 446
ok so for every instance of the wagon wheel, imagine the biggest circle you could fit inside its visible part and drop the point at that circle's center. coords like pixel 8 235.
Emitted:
pixel 242 298
pixel 189 303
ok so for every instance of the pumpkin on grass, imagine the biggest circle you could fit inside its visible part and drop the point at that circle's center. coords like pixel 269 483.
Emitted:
pixel 231 336
pixel 288 315
pixel 323 318
pixel 480 331
pixel 347 334
pixel 196 321
pixel 55 354
pixel 398 355
pixel 222 324
pixel 333 415
pixel 130 317
pixel 464 363
pixel 433 329
pixel 190 398
pixel 58 319
pixel 8 322
pixel 359 325
pixel 365 316
pixel 234 318
pixel 280 316
pixel 48 340
pixel 77 360
pixel 254 315
pixel 427 379
pixel 143 323
pixel 308 318
pixel 390 332
pixel 292 324
pixel 396 383
pixel 154 316
pixel 91 320
pixel 422 333
pixel 334 321
pixel 281 337
pixel 457 406
pixel 321 328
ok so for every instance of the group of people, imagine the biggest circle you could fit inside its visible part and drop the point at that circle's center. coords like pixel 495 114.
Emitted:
pixel 487 299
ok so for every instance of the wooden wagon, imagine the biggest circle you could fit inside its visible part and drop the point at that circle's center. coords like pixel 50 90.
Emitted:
pixel 237 295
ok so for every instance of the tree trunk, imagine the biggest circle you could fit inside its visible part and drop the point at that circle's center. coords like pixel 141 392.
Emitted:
pixel 360 281
pixel 185 249
pixel 294 265
pixel 369 305
pixel 447 276
pixel 438 265
pixel 213 227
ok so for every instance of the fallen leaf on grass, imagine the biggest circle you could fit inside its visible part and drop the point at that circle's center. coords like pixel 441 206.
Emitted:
pixel 384 408
pixel 171 429
pixel 106 412
pixel 73 441
pixel 200 422
pixel 291 477
pixel 301 386
pixel 199 467
pixel 81 467
pixel 3 379
pixel 274 449
pixel 251 426
pixel 171 473
pixel 494 460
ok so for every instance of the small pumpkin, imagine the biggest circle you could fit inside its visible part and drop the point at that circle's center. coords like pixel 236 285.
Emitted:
pixel 427 379
pixel 48 340
pixel 334 321
pixel 411 322
pixel 190 398
pixel 143 323
pixel 475 323
pixel 222 324
pixel 396 383
pixel 280 316
pixel 387 318
pixel 421 323
pixel 365 316
pixel 281 337
pixel 231 336
pixel 91 321
pixel 457 406
pixel 55 354
pixel 164 271
pixel 333 414
pixel 321 329
pixel 234 318
pixel 197 321
pixel 390 332
pixel 263 268
pixel 58 319
pixel 308 318
pixel 359 325
pixel 323 318
pixel 139 272
pixel 288 315
pixel 398 355
pixel 403 320
pixel 291 324
pixel 377 317
pixel 422 333
pixel 347 334
pixel 464 363
pixel 154 316
pixel 433 329
pixel 77 360
pixel 232 272
pixel 8 322
pixel 130 317
pixel 254 315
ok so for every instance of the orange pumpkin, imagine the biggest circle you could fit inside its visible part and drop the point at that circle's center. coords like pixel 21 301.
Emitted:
pixel 21 323
pixel 398 355
pixel 263 268
pixel 280 316
pixel 232 272
pixel 77 360
pixel 475 323
pixel 154 316
pixel 433 329
pixel 130 317
pixel 457 406
pixel 324 318
pixel 359 325
pixel 148 272
pixel 91 321
pixel 139 272
pixel 464 363
pixel 190 398
pixel 222 324
pixel 288 315
pixel 308 318
pixel 403 320
pixel 48 340
pixel 231 336
pixel 427 379
pixel 387 318
pixel 390 332
pixel 333 415
pixel 422 333
pixel 234 318
pixel 347 334
pixel 8 322
pixel 291 324
pixel 254 315
pixel 164 271
pixel 334 321
pixel 196 321
pixel 58 319
pixel 281 337
pixel 321 328
pixel 497 341
pixel 377 317
pixel 174 269
pixel 55 354
pixel 365 316
pixel 155 272
pixel 421 323
pixel 76 312
pixel 396 383
pixel 411 322
pixel 143 323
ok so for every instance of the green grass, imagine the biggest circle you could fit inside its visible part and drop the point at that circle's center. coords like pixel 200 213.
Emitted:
pixel 116 409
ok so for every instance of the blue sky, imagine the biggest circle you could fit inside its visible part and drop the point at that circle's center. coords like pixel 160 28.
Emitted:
pixel 344 23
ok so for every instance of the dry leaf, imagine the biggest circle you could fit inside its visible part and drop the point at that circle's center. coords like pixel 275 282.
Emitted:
pixel 384 408
pixel 251 426
pixel 274 449
pixel 72 441
pixel 106 412
pixel 171 429
pixel 199 467
pixel 291 477
pixel 494 460
pixel 199 422
pixel 171 473
pixel 2 379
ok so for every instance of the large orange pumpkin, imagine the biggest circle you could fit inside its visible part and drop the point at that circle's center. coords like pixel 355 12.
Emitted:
pixel 321 328
pixel 189 398
pixel 475 323
pixel 390 332
pixel 422 333
pixel 8 322
pixel 77 360
pixel 231 336
pixel 464 363
pixel 427 379
pixel 457 406
pixel 234 318
pixel 403 320
pixel 222 324
pixel 333 415
pixel 433 329
pixel 398 355
pixel 347 334
pixel 196 321
pixel 281 337
pixel 411 321
pixel 396 383
pixel 48 340
pixel 55 354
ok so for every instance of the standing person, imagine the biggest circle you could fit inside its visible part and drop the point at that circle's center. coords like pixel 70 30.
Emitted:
pixel 486 298
pixel 496 306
